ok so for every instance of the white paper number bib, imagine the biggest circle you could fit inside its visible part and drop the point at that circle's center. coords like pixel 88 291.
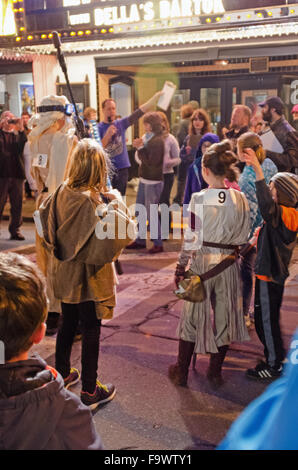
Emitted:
pixel 218 197
pixel 40 160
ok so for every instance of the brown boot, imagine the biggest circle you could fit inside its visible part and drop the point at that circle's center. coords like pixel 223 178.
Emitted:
pixel 178 372
pixel 215 366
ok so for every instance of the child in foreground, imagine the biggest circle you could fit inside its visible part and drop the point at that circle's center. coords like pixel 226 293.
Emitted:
pixel 276 242
pixel 37 412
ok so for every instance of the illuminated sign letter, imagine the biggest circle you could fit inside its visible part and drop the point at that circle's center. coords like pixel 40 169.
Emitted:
pixel 7 22
pixel 108 19
pixel 134 13
pixel 98 16
pixel 123 17
pixel 218 6
pixel 175 10
pixel 164 9
pixel 197 4
pixel 83 18
pixel 148 11
pixel 207 7
pixel 186 8
pixel 71 3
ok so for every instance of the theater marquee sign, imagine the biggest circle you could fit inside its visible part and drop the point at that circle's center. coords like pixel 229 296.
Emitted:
pixel 88 19
pixel 138 13
pixel 148 11
pixel 128 17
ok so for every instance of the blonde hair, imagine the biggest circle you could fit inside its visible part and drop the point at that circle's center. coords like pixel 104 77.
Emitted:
pixel 252 141
pixel 88 167
pixel 88 111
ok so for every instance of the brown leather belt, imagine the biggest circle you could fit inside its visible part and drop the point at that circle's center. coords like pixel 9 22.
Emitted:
pixel 225 263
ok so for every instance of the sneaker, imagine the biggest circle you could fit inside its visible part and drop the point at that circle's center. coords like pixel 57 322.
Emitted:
pixel 52 323
pixel 177 375
pixel 102 394
pixel 264 373
pixel 72 378
pixel 216 381
pixel 17 236
pixel 155 249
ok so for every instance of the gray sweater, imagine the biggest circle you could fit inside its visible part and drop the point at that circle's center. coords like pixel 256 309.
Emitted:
pixel 38 413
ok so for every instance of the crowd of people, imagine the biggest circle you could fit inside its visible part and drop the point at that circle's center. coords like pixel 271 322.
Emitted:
pixel 240 194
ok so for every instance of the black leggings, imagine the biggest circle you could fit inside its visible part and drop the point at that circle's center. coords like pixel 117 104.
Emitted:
pixel 71 315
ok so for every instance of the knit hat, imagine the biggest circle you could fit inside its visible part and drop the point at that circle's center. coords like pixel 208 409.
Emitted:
pixel 286 185
pixel 295 109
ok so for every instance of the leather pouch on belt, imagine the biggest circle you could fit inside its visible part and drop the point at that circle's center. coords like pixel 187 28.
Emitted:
pixel 191 288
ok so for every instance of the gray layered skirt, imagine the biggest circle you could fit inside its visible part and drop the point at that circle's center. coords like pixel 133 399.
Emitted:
pixel 219 320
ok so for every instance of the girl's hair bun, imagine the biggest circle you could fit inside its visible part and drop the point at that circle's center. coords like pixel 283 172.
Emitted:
pixel 220 159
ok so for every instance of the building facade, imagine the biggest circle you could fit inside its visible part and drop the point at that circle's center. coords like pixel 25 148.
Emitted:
pixel 219 53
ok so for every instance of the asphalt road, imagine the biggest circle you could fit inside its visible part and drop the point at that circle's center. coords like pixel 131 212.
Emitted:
pixel 137 347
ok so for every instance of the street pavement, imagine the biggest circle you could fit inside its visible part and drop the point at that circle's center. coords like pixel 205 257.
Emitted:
pixel 138 345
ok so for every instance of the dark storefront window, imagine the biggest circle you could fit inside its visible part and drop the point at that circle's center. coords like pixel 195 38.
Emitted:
pixel 210 99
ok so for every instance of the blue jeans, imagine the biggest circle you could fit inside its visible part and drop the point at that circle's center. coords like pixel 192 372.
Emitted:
pixel 149 194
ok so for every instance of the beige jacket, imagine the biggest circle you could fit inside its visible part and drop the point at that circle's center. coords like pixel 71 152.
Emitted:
pixel 83 240
pixel 56 146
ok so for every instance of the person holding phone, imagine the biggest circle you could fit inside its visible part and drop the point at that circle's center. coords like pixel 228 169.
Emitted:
pixel 12 170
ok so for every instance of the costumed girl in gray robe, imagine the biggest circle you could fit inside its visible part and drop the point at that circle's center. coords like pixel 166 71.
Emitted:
pixel 217 215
